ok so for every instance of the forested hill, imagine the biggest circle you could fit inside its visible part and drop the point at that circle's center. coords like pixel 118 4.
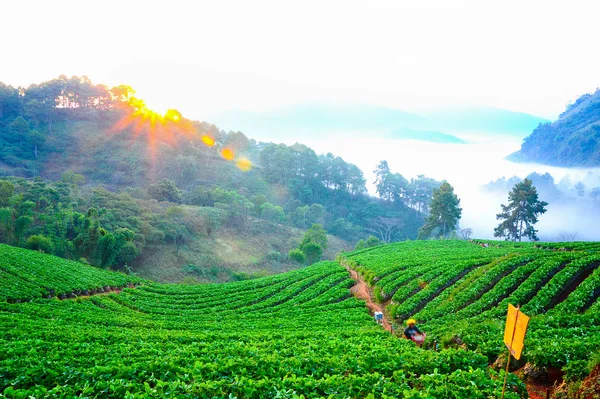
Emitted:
pixel 572 140
pixel 89 172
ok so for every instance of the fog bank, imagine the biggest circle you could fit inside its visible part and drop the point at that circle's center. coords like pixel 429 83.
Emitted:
pixel 468 167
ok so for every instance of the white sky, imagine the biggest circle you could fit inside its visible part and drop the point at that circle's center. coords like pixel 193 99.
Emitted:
pixel 204 57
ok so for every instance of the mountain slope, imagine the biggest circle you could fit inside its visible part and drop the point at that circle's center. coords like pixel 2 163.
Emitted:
pixel 572 140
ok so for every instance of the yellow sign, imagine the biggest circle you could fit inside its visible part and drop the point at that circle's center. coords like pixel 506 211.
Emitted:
pixel 514 333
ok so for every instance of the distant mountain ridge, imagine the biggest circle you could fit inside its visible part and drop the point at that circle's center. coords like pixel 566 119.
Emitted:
pixel 572 140
pixel 315 120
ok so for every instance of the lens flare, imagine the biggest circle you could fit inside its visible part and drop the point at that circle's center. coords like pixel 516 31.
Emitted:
pixel 228 154
pixel 209 141
pixel 173 115
pixel 244 164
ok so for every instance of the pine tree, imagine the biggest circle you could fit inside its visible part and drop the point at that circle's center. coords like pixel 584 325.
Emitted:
pixel 521 213
pixel 445 212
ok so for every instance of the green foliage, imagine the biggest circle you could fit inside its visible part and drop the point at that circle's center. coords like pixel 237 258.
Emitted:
pixel 521 213
pixel 373 241
pixel 72 178
pixel 315 234
pixel 296 255
pixel 445 213
pixel 572 140
pixel 361 244
pixel 297 334
pixel 165 190
pixel 312 251
pixel 28 275
pixel 40 243
pixel 459 292
pixel 7 189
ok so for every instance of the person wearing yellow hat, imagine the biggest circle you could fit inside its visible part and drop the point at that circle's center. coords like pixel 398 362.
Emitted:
pixel 413 333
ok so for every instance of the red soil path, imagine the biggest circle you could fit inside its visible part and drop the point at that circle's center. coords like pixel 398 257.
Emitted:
pixel 360 290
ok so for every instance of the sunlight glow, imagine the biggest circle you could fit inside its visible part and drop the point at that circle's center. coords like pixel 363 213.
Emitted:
pixel 228 154
pixel 170 127
pixel 244 164
pixel 209 141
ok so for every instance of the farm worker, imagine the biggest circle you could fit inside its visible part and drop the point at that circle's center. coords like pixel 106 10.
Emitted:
pixel 413 333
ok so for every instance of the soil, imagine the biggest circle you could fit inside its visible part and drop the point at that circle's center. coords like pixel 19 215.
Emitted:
pixel 537 390
pixel 110 290
pixel 360 290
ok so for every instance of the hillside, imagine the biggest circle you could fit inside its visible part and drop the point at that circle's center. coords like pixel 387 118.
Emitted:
pixel 298 333
pixel 459 292
pixel 90 173
pixel 28 275
pixel 572 140
pixel 302 332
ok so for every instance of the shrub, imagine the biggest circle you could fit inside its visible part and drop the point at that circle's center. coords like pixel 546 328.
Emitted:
pixel 297 255
pixel 40 243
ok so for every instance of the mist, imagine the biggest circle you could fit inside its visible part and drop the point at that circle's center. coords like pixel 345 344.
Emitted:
pixel 469 167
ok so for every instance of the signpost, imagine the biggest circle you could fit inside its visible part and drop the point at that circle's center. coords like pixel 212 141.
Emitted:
pixel 514 336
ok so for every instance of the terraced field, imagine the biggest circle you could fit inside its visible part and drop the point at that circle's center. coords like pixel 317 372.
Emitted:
pixel 299 334
pixel 460 291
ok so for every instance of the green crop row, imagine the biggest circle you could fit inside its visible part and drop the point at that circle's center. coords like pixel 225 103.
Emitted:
pixel 294 335
pixel 472 310
pixel 28 274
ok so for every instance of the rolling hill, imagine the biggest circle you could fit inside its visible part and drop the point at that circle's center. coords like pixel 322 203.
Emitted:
pixel 298 334
pixel 301 333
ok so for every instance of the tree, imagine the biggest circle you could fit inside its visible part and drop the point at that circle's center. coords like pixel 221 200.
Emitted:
pixel 580 188
pixel 595 193
pixel 361 244
pixel 312 251
pixel 40 243
pixel 7 189
pixel 466 233
pixel 521 213
pixel 372 241
pixel 445 212
pixel 72 178
pixel 315 234
pixel 382 180
pixel 420 191
pixel 19 128
pixel 314 243
pixel 565 236
pixel 297 255
pixel 165 190
pixel 36 139
pixel 385 227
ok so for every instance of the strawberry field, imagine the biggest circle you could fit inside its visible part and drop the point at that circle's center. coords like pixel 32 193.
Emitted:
pixel 298 334
pixel 459 292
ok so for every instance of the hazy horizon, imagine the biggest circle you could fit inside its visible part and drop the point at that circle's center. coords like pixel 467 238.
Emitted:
pixel 407 56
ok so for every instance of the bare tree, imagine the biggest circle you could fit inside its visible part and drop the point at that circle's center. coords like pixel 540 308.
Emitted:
pixel 565 236
pixel 384 227
pixel 466 233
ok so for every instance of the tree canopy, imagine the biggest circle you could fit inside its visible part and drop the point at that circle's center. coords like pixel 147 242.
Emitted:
pixel 445 213
pixel 521 213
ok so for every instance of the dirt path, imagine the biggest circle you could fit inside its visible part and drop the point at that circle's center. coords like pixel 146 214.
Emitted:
pixel 360 290
pixel 108 290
